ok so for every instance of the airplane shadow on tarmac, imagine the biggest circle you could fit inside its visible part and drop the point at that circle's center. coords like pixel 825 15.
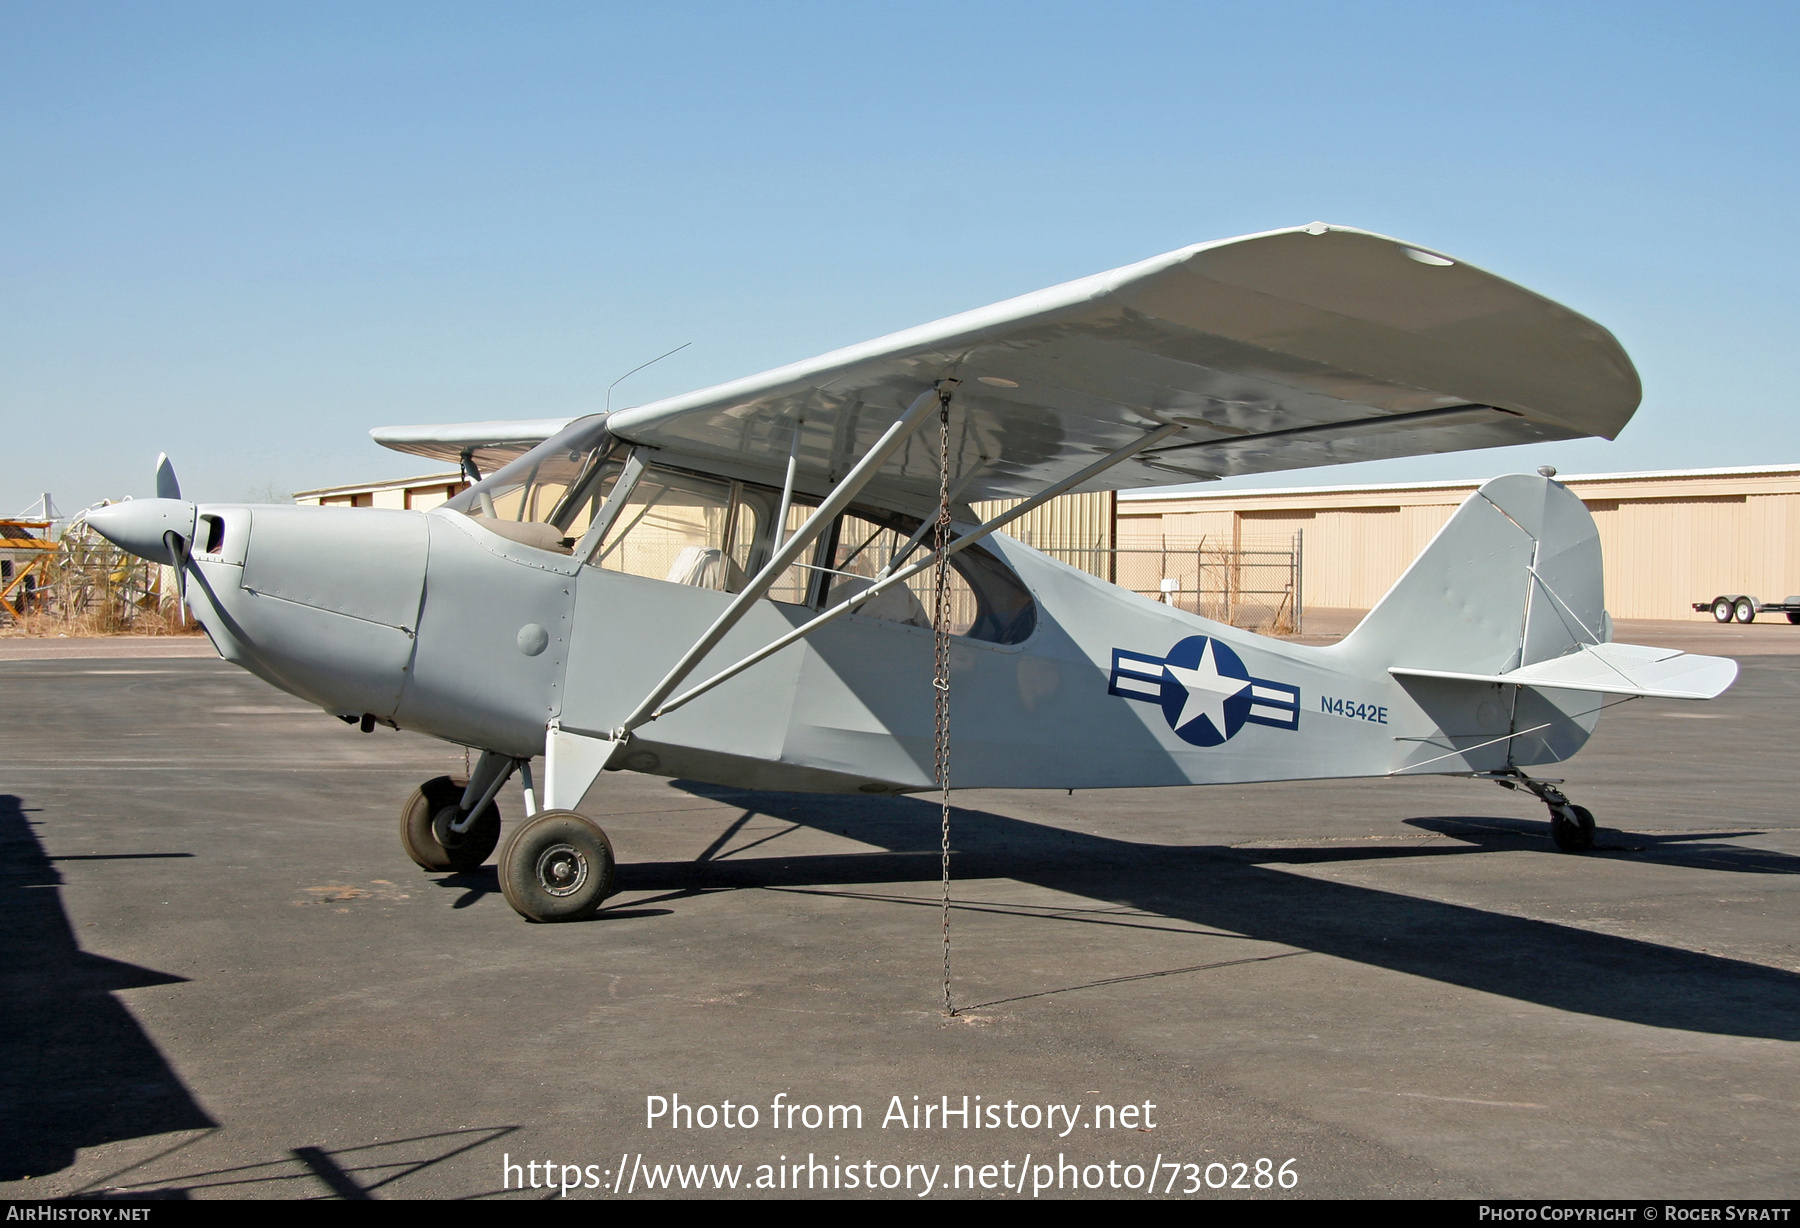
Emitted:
pixel 1696 850
pixel 76 1070
pixel 1237 890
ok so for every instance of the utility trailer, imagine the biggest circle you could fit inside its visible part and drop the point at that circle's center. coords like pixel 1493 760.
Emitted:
pixel 1729 607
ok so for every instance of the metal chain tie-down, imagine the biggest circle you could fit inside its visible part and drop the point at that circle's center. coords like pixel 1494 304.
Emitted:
pixel 940 680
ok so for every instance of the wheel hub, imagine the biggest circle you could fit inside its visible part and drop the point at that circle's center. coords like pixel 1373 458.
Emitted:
pixel 562 870
pixel 446 835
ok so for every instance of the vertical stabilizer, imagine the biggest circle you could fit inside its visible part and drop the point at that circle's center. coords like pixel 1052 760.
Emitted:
pixel 1512 579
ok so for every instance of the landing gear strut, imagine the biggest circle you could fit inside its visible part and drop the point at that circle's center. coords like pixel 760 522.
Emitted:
pixel 1571 826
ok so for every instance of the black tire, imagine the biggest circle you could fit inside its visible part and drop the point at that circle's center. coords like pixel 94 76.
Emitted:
pixel 1721 609
pixel 557 866
pixel 1746 610
pixel 1576 837
pixel 1794 616
pixel 415 821
pixel 424 823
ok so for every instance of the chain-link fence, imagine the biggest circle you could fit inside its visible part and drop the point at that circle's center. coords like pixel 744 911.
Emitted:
pixel 1253 585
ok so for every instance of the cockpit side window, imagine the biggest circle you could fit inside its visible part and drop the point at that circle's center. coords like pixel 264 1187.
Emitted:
pixel 708 532
pixel 675 526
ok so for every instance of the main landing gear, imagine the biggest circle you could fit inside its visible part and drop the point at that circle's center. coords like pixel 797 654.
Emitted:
pixel 1571 826
pixel 556 865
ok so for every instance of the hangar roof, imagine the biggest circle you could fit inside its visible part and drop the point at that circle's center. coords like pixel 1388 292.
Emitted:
pixel 1239 493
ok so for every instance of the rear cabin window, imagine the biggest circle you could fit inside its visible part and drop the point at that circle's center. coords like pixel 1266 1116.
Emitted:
pixel 986 600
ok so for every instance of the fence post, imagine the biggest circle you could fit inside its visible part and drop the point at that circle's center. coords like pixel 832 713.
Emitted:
pixel 1233 580
pixel 1299 573
pixel 1112 536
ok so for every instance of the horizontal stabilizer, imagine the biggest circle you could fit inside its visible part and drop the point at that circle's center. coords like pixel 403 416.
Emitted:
pixel 1612 669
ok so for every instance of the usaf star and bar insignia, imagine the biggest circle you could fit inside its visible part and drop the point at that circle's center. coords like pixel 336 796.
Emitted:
pixel 1204 690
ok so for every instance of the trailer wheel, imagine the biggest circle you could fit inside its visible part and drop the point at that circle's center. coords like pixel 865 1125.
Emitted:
pixel 1746 610
pixel 1721 608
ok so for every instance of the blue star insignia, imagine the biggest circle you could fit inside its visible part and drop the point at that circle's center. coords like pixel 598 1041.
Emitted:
pixel 1205 692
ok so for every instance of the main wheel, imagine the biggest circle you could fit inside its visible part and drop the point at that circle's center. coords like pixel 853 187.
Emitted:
pixel 1576 836
pixel 557 866
pixel 425 828
pixel 1722 609
pixel 1746 610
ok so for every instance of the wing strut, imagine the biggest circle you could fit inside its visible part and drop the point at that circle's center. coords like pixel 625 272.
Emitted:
pixel 787 485
pixel 900 577
pixel 927 403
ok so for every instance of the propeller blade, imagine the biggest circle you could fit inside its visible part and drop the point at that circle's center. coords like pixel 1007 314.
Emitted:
pixel 178 550
pixel 167 487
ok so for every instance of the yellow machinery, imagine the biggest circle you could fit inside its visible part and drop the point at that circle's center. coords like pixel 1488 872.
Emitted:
pixel 26 552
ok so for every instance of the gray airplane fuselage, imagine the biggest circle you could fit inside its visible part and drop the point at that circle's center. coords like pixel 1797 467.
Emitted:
pixel 430 622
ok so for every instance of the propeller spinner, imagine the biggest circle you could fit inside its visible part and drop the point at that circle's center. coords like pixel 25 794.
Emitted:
pixel 158 529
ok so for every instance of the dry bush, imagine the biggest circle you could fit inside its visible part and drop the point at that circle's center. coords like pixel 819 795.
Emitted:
pixel 102 620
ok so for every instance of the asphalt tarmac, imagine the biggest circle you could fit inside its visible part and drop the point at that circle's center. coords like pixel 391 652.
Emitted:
pixel 223 978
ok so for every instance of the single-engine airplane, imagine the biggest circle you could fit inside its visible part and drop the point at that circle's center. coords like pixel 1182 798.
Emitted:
pixel 726 586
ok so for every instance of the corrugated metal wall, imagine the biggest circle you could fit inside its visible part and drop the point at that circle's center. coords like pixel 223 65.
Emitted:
pixel 1664 554
pixel 1072 523
pixel 1351 555
pixel 1354 555
pixel 1668 540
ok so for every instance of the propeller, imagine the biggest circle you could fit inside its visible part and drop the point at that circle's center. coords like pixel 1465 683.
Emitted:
pixel 168 486
pixel 178 550
pixel 159 529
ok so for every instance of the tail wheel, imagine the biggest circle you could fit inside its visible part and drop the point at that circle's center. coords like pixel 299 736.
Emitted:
pixel 1572 828
pixel 1746 610
pixel 425 828
pixel 557 866
pixel 1722 609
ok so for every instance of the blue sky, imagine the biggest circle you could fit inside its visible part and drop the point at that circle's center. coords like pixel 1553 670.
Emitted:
pixel 248 233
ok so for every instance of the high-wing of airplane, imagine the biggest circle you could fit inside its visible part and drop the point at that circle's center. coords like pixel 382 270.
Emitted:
pixel 731 586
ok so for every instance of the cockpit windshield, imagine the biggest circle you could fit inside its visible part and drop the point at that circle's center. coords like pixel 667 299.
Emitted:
pixel 548 497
